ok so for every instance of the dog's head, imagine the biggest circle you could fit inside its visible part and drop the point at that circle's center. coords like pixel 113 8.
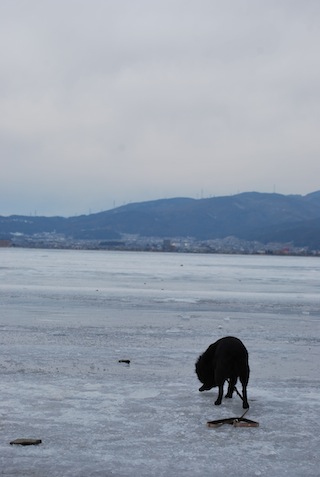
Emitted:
pixel 205 374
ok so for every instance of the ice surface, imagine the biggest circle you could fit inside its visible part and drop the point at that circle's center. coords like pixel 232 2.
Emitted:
pixel 68 317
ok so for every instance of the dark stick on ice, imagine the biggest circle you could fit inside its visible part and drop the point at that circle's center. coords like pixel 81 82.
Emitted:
pixel 127 361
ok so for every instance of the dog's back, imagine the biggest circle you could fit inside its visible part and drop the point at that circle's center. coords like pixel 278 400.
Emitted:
pixel 230 359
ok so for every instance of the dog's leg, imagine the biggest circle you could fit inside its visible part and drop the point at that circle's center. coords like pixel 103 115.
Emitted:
pixel 232 383
pixel 244 383
pixel 220 395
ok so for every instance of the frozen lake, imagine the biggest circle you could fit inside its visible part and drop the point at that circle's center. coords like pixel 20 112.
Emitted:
pixel 68 317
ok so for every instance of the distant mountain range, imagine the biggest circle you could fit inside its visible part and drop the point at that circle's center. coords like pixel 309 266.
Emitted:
pixel 250 216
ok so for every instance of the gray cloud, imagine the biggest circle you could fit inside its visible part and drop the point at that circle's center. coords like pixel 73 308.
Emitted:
pixel 106 102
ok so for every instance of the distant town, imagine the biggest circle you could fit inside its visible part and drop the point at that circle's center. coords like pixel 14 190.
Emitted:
pixel 130 242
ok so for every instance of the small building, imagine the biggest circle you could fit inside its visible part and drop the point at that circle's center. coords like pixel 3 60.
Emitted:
pixel 5 243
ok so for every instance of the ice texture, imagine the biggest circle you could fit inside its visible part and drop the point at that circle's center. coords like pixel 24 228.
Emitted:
pixel 68 317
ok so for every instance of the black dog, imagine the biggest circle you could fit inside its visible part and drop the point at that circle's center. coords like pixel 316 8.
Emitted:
pixel 225 359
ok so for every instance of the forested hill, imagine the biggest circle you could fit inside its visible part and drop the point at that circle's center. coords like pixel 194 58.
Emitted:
pixel 249 216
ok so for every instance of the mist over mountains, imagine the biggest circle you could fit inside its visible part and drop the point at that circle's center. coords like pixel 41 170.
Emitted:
pixel 250 216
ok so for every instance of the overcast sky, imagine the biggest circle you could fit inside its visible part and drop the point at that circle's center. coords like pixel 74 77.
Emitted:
pixel 106 102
